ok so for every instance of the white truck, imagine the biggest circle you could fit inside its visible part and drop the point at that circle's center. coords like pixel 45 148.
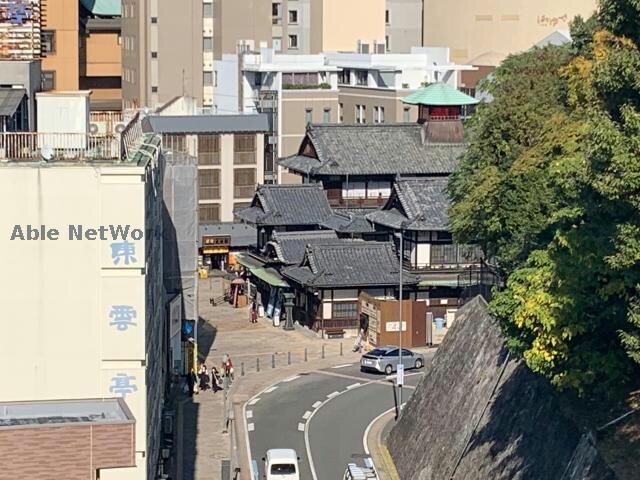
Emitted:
pixel 281 464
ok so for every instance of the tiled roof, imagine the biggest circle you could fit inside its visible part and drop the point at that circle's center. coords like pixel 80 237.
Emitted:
pixel 242 235
pixel 348 264
pixel 304 204
pixel 347 222
pixel 290 246
pixel 387 149
pixel 439 94
pixel 419 203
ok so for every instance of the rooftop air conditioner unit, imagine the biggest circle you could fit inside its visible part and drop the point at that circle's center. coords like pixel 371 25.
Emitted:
pixel 98 128
pixel 119 127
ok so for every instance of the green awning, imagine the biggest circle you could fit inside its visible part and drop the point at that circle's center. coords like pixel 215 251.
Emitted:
pixel 439 95
pixel 271 276
pixel 249 261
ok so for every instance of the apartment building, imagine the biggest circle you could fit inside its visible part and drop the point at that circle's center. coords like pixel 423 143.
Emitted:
pixel 403 25
pixel 293 90
pixel 89 297
pixel 484 33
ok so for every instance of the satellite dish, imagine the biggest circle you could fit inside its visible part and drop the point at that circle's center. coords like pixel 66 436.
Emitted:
pixel 47 153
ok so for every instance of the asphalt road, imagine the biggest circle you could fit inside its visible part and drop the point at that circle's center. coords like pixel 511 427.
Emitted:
pixel 323 412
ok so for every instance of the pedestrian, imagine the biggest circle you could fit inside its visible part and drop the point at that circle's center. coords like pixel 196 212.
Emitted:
pixel 227 367
pixel 216 381
pixel 204 377
pixel 254 315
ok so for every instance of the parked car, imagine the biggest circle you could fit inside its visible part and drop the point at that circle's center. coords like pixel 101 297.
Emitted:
pixel 281 464
pixel 386 359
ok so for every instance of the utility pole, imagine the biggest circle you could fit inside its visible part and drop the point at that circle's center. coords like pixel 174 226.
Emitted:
pixel 400 367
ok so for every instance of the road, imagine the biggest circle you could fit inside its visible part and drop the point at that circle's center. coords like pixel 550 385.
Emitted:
pixel 323 415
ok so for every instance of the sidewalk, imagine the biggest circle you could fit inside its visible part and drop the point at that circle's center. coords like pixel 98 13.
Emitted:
pixel 202 444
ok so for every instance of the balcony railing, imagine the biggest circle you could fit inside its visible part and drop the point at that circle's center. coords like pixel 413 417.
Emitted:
pixel 244 158
pixel 243 191
pixel 357 202
pixel 447 257
pixel 31 146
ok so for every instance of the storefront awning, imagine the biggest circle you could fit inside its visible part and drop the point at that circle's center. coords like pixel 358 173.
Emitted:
pixel 10 99
pixel 270 276
pixel 249 261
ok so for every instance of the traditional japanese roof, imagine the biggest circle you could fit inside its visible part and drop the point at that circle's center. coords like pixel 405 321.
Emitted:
pixel 349 264
pixel 386 149
pixel 415 204
pixel 242 235
pixel 439 95
pixel 304 204
pixel 289 247
pixel 348 222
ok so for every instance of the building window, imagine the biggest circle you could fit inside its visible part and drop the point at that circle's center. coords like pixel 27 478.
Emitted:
pixel 361 111
pixel 326 115
pixel 244 182
pixel 405 115
pixel 154 20
pixel 386 41
pixel 378 114
pixel 345 310
pixel 293 41
pixel 277 44
pixel 244 149
pixel 308 116
pixel 340 112
pixel 48 41
pixel 275 13
pixel 386 17
pixel 177 143
pixel 209 213
pixel 293 16
pixel 361 77
pixel 207 10
pixel 209 184
pixel 154 89
pixel 208 149
pixel 154 54
pixel 309 79
pixel 207 79
pixel 344 77
pixel 48 80
pixel 207 44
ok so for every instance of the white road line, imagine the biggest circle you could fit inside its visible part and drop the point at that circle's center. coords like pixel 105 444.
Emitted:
pixel 355 385
pixel 251 427
pixel 301 427
pixel 343 366
pixel 366 432
pixel 317 404
pixel 271 389
pixel 334 394
pixel 253 401
pixel 306 415
pixel 395 375
pixel 291 379
pixel 249 414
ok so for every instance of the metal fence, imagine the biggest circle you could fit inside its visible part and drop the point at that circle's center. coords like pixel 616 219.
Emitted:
pixel 31 146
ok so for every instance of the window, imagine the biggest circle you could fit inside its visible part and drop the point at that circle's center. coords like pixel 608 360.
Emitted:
pixel 277 44
pixel 207 44
pixel 207 10
pixel 275 13
pixel 207 79
pixel 48 80
pixel 361 77
pixel 154 89
pixel 405 115
pixel 340 112
pixel 378 114
pixel 344 77
pixel 209 184
pixel 154 54
pixel 177 143
pixel 308 116
pixel 309 79
pixel 208 149
pixel 361 112
pixel 209 213
pixel 386 41
pixel 293 41
pixel 244 149
pixel 48 41
pixel 293 16
pixel 154 20
pixel 244 182
pixel 386 17
pixel 345 310
pixel 326 115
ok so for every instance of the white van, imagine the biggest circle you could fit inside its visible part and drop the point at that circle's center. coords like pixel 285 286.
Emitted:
pixel 281 464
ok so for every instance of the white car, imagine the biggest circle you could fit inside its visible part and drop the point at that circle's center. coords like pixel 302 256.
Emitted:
pixel 281 464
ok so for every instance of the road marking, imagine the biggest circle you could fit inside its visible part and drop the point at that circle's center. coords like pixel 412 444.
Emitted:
pixel 317 404
pixel 271 389
pixel 301 427
pixel 395 375
pixel 343 366
pixel 334 394
pixel 291 379
pixel 249 414
pixel 251 427
pixel 354 385
pixel 306 415
pixel 254 401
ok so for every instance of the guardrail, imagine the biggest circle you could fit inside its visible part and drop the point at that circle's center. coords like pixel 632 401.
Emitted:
pixel 30 146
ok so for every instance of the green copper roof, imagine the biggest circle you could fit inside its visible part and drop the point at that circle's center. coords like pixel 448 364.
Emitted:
pixel 107 8
pixel 439 94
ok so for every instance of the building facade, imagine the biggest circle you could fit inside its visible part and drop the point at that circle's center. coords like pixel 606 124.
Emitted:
pixel 89 243
pixel 403 25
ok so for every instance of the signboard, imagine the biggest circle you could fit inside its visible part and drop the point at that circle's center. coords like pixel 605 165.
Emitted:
pixel 400 374
pixel 215 244
pixel 395 326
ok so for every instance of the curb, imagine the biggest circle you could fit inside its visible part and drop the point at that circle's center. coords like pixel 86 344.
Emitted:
pixel 382 460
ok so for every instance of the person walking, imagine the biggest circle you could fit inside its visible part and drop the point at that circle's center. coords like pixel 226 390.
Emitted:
pixel 216 381
pixel 204 377
pixel 227 367
pixel 254 315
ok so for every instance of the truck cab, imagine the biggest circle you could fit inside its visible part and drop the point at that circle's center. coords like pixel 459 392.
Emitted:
pixel 281 464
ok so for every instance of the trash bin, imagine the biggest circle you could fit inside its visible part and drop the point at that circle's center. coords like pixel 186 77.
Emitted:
pixel 439 323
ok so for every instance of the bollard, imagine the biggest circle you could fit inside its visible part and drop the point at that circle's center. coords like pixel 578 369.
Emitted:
pixel 273 360
pixel 305 354
pixel 242 369
pixel 323 351
pixel 257 364
pixel 288 358
pixel 340 348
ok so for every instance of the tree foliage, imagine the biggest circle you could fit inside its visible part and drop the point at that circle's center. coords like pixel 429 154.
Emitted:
pixel 550 188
